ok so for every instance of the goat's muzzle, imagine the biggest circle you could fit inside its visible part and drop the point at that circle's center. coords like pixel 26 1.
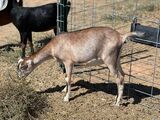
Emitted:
pixel 20 73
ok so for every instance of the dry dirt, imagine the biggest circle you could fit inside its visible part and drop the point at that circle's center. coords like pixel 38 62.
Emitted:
pixel 90 100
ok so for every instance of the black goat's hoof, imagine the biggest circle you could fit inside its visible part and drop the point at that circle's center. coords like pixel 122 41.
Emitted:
pixel 63 68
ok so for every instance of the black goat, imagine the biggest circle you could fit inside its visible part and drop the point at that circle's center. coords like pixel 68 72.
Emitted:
pixel 5 14
pixel 28 19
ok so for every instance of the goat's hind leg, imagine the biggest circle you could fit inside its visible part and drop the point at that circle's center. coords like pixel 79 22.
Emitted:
pixel 120 84
pixel 118 72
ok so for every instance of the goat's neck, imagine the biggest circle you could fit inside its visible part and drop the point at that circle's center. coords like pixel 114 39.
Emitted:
pixel 14 3
pixel 42 55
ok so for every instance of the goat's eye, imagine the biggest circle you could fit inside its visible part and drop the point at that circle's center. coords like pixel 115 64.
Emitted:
pixel 24 67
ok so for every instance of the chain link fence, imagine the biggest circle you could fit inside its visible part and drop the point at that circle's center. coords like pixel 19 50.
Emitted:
pixel 140 58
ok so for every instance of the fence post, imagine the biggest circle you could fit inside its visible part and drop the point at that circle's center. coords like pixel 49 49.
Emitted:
pixel 63 8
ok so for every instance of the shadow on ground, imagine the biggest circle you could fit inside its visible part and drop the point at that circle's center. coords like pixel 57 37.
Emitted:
pixel 108 88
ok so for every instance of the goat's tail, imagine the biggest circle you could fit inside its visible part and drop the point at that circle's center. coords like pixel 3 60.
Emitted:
pixel 125 36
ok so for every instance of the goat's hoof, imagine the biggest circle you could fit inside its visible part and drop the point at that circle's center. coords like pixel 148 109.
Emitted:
pixel 115 104
pixel 64 90
pixel 66 99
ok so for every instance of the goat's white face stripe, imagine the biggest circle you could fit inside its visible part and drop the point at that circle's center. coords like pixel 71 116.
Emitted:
pixel 20 60
pixel 29 62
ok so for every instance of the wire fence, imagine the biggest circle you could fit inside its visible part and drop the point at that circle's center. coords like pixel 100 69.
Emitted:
pixel 141 62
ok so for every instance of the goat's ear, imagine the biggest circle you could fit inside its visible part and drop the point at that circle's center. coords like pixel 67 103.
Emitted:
pixel 20 60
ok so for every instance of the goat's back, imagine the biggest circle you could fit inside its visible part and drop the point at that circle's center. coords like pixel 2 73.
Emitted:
pixel 87 44
pixel 40 18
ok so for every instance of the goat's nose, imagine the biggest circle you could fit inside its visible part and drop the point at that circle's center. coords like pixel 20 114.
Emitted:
pixel 19 74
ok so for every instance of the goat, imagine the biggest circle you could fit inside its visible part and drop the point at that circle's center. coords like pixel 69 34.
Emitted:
pixel 28 19
pixel 83 46
pixel 5 13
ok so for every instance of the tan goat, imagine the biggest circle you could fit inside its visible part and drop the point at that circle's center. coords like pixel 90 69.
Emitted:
pixel 81 46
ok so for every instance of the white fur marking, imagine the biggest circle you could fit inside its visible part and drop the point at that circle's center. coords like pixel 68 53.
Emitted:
pixel 20 60
pixel 66 99
pixel 29 62
pixel 65 89
pixel 66 79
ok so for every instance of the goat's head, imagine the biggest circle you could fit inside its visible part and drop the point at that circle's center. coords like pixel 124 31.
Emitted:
pixel 25 67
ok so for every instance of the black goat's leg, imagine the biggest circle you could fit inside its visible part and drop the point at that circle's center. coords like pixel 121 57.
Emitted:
pixel 63 67
pixel 22 53
pixel 23 43
pixel 30 42
pixel 55 31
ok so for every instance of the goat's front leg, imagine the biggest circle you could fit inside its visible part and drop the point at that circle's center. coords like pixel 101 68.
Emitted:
pixel 30 42
pixel 69 67
pixel 65 88
pixel 55 31
pixel 23 43
pixel 23 47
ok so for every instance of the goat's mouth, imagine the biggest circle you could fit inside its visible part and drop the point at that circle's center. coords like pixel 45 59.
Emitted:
pixel 21 75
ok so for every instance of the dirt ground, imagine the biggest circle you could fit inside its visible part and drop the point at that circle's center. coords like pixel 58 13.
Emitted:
pixel 90 100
